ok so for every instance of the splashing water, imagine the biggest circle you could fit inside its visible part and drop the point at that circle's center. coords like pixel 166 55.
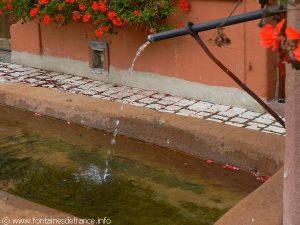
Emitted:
pixel 125 80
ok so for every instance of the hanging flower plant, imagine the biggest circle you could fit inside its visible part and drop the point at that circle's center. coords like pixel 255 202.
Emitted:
pixel 285 41
pixel 106 15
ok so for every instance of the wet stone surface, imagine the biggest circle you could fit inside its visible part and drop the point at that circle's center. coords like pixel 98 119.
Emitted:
pixel 233 116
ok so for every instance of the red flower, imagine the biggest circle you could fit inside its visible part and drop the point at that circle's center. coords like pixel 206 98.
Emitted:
pixel 76 16
pixel 102 7
pixel 82 7
pixel 47 19
pixel 185 5
pixel 8 6
pixel 180 25
pixel 270 36
pixel 117 22
pixel 297 53
pixel 59 18
pixel 33 12
pixel 44 2
pixel 111 15
pixel 99 33
pixel 292 33
pixel 95 6
pixel 87 17
pixel 1 12
pixel 136 13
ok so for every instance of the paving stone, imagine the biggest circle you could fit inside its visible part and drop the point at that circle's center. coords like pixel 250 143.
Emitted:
pixel 3 81
pixel 215 120
pixel 134 98
pixel 97 96
pixel 110 91
pixel 264 121
pixel 80 82
pixel 31 80
pixel 165 111
pixel 5 70
pixel 217 108
pixel 20 78
pixel 27 69
pixel 148 100
pixel 200 106
pixel 185 112
pixel 38 75
pixel 165 102
pixel 173 108
pixel 203 114
pixel 6 77
pixel 14 66
pixel 66 86
pixel 48 85
pixel 269 132
pixel 223 118
pixel 235 111
pixel 137 104
pixel 234 124
pixel 53 74
pixel 238 120
pixel 88 92
pixel 130 91
pixel 256 124
pixel 267 116
pixel 250 115
pixel 279 130
pixel 60 77
pixel 16 74
pixel 154 106
pixel 107 98
pixel 185 102
pixel 95 83
pixel 198 116
pixel 172 99
pixel 148 93
pixel 159 96
pixel 276 124
pixel 253 127
pixel 101 88
pixel 40 82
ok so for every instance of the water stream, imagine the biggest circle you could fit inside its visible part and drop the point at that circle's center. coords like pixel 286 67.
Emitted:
pixel 125 80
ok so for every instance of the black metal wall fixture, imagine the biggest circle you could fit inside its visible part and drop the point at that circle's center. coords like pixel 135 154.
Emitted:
pixel 194 29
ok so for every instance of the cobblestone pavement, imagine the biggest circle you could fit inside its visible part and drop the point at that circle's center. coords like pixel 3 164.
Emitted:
pixel 234 116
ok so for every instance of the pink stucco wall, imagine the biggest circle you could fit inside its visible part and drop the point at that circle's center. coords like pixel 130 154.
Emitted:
pixel 180 57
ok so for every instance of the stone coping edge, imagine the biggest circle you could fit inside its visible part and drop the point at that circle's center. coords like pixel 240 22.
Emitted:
pixel 247 149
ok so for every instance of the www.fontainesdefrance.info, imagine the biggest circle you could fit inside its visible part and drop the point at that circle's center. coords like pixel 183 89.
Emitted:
pixel 54 221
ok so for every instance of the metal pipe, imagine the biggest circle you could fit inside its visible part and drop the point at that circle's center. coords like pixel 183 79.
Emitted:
pixel 245 17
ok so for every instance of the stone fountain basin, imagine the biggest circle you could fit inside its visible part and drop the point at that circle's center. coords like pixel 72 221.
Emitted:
pixel 247 149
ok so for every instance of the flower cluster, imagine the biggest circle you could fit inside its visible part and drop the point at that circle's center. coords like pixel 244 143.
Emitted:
pixel 106 15
pixel 287 41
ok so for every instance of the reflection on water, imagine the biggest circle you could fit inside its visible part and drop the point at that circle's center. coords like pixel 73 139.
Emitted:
pixel 69 167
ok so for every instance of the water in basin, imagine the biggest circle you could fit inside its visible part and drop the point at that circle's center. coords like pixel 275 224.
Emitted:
pixel 76 169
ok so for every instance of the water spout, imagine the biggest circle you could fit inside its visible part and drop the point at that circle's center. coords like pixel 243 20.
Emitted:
pixel 245 17
pixel 140 50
